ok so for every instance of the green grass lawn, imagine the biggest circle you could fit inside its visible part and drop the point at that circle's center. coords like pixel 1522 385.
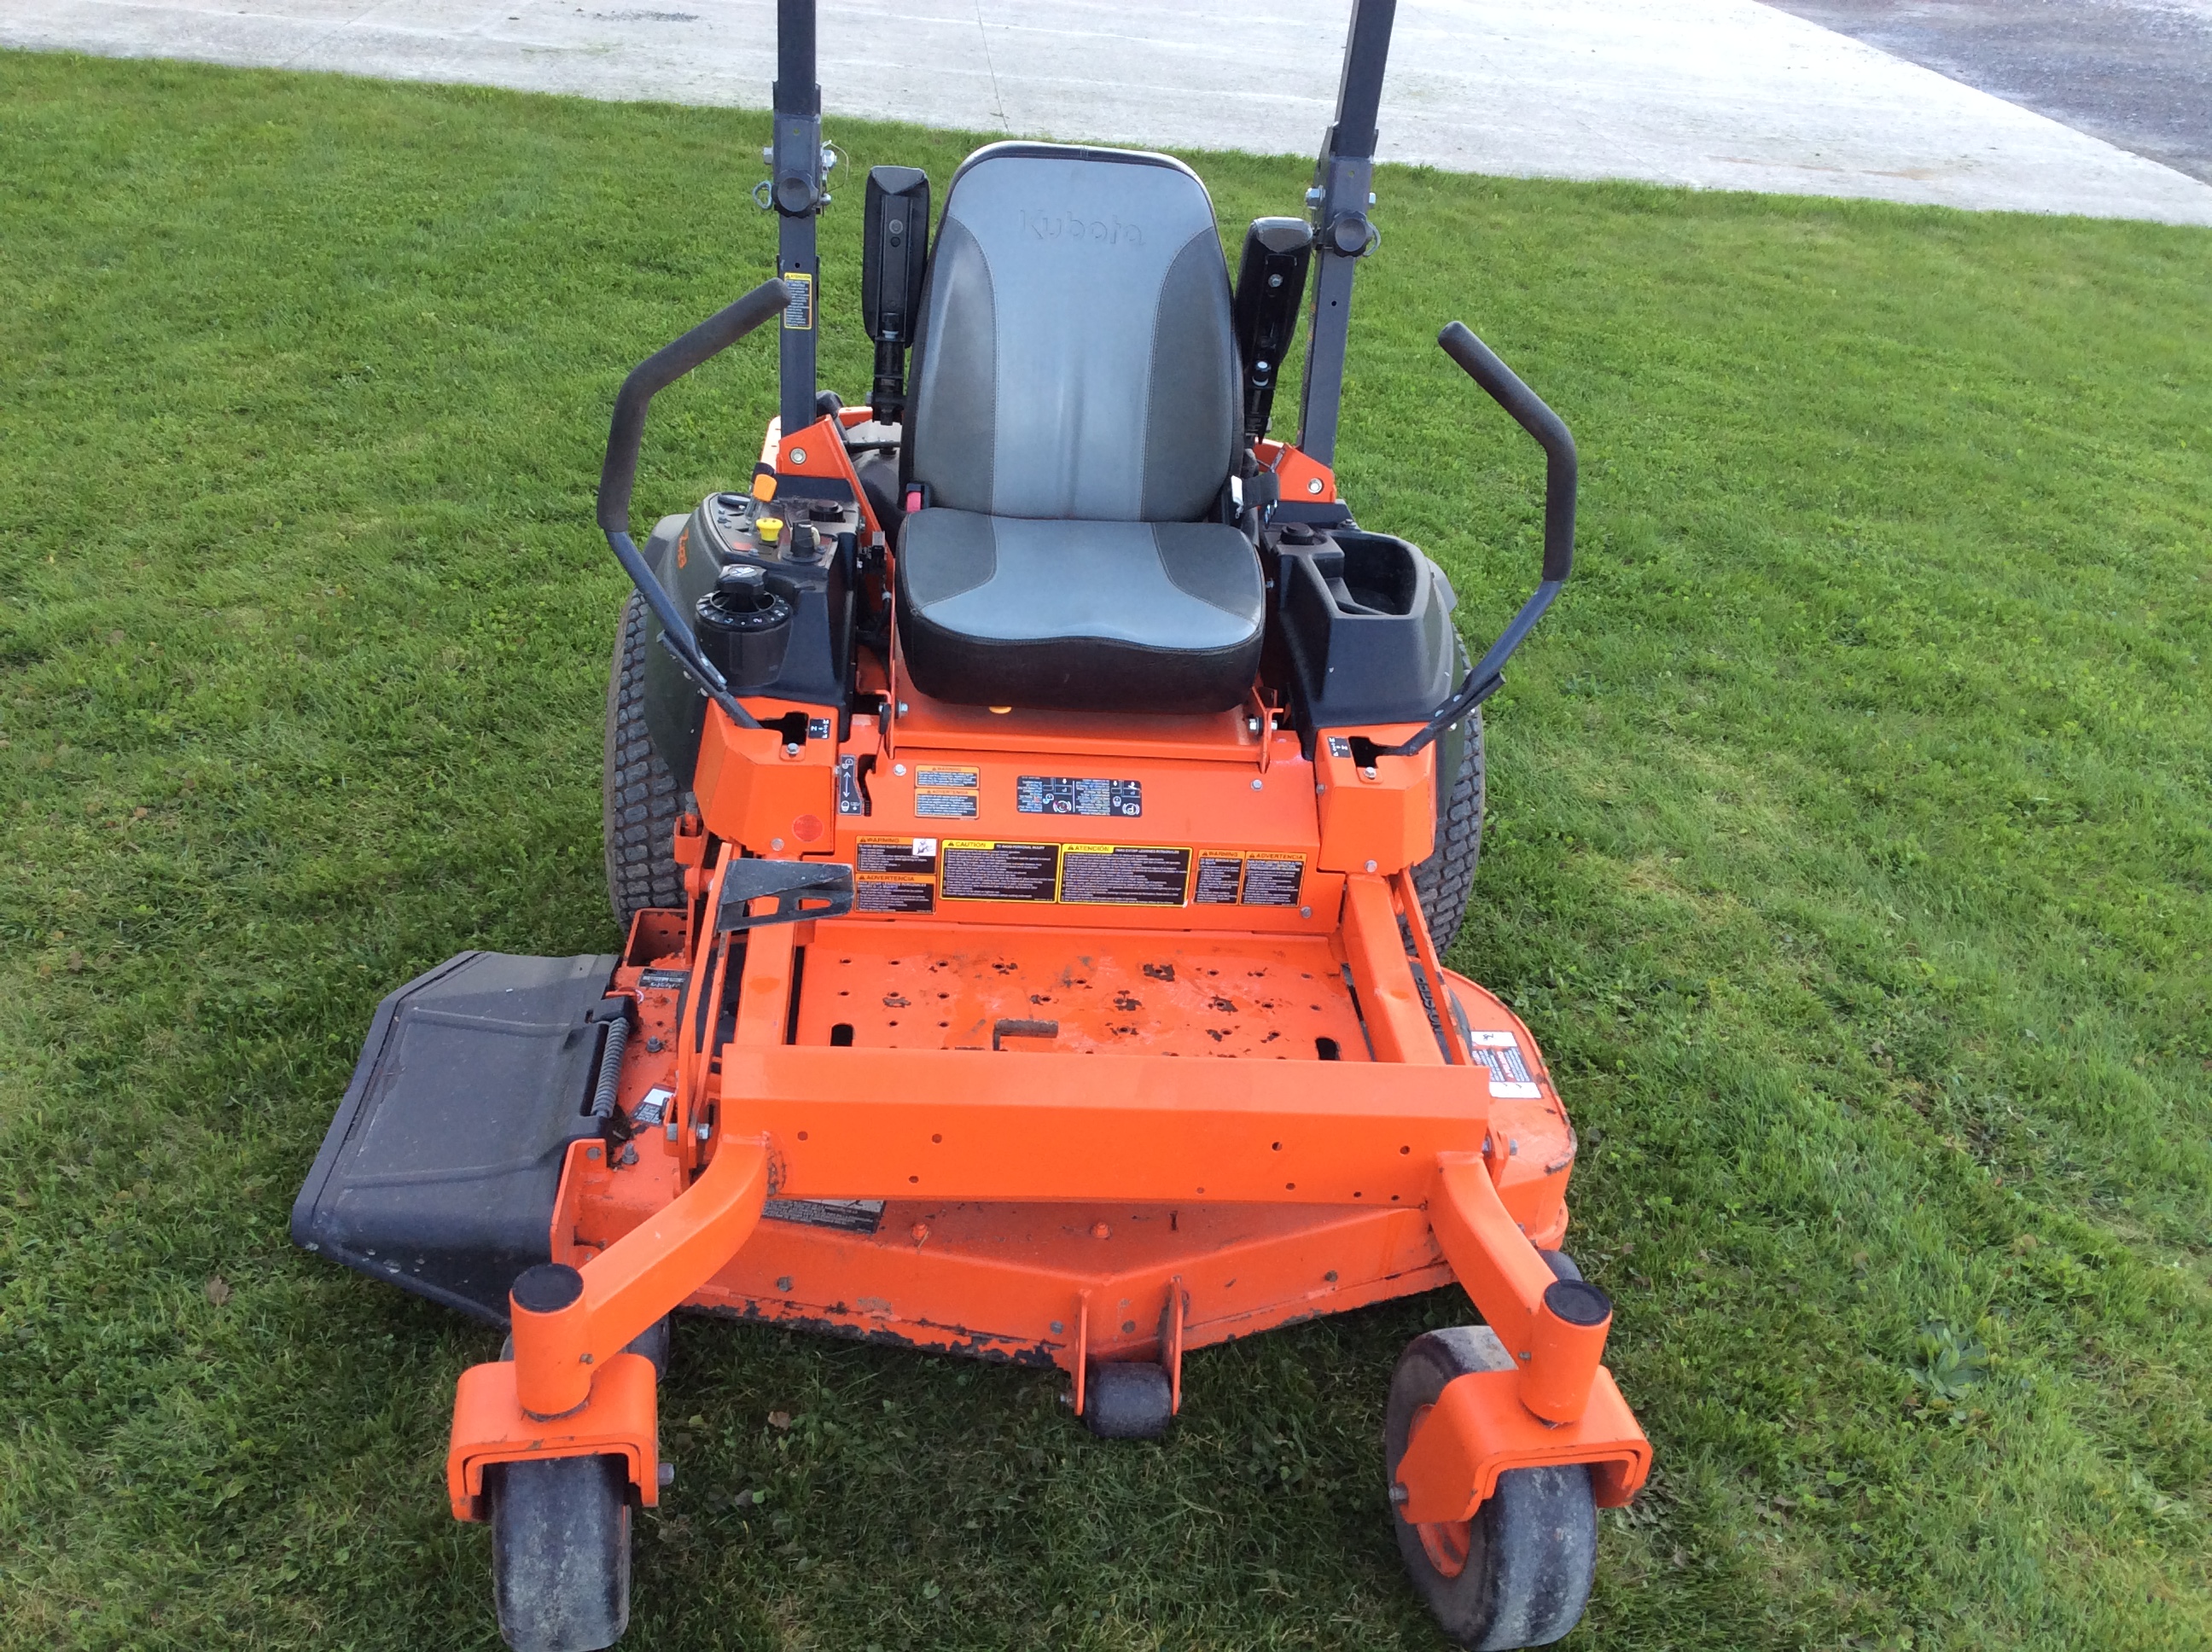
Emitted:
pixel 1851 851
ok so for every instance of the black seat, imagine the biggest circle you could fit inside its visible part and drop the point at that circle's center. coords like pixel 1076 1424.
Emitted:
pixel 1075 416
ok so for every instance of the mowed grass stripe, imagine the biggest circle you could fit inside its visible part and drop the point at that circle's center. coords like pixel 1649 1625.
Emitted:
pixel 1849 851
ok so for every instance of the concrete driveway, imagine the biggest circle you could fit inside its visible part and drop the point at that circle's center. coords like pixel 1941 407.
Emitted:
pixel 1715 93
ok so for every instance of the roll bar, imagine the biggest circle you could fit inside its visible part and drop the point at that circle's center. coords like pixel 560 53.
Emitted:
pixel 618 475
pixel 1344 178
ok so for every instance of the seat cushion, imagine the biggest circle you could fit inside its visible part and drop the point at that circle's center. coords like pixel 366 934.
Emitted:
pixel 1156 617
pixel 1077 358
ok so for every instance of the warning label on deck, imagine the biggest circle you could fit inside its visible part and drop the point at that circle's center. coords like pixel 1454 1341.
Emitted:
pixel 895 874
pixel 881 894
pixel 1219 878
pixel 913 856
pixel 944 805
pixel 1510 1078
pixel 975 871
pixel 1053 794
pixel 1271 883
pixel 931 777
pixel 1105 874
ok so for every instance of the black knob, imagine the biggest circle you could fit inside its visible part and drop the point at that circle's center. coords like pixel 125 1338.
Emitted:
pixel 741 588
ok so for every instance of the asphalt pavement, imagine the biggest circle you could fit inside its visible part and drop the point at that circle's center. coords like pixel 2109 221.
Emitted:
pixel 2137 73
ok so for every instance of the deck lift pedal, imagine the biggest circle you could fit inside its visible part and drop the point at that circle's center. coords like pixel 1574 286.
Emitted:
pixel 1035 808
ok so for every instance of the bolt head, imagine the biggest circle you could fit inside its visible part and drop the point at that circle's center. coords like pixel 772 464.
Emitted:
pixel 902 708
pixel 1305 912
pixel 667 1474
pixel 1370 865
pixel 898 768
pixel 1313 485
pixel 1100 1230
pixel 798 456
pixel 1400 1497
pixel 1256 785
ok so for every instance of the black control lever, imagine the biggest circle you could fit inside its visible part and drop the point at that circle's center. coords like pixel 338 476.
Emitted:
pixel 619 474
pixel 1271 281
pixel 894 249
pixel 1487 675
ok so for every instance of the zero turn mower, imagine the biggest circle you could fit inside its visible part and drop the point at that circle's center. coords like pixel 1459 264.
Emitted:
pixel 1035 808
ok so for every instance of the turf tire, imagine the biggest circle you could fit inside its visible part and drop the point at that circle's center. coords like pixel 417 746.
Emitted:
pixel 1531 1549
pixel 560 1551
pixel 1446 878
pixel 641 802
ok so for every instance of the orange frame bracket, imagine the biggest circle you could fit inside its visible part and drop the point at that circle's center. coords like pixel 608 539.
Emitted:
pixel 1477 1429
pixel 637 1279
pixel 489 1426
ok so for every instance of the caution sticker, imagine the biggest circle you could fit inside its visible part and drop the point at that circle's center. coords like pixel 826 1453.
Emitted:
pixel 1116 874
pixel 976 870
pixel 944 805
pixel 933 777
pixel 799 312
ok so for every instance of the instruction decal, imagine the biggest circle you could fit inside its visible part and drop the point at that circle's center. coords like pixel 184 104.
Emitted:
pixel 973 869
pixel 1053 794
pixel 1111 874
pixel 933 777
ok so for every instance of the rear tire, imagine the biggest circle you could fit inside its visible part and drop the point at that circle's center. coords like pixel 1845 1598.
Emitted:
pixel 641 801
pixel 1519 1573
pixel 1446 879
pixel 560 1551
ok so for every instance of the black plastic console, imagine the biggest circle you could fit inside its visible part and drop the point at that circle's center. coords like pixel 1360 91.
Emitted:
pixel 820 582
pixel 1364 623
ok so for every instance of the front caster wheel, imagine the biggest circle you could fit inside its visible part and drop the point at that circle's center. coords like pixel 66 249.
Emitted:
pixel 560 1551
pixel 1519 1573
pixel 1127 1399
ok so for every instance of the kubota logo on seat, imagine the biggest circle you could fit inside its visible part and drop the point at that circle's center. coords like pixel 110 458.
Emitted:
pixel 1073 226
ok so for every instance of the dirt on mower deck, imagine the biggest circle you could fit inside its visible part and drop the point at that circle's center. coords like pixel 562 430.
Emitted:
pixel 907 986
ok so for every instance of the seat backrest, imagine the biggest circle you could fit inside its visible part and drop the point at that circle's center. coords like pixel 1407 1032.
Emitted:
pixel 1076 357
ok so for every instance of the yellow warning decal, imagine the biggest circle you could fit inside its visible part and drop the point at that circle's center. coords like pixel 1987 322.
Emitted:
pixel 972 869
pixel 799 312
pixel 1123 875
